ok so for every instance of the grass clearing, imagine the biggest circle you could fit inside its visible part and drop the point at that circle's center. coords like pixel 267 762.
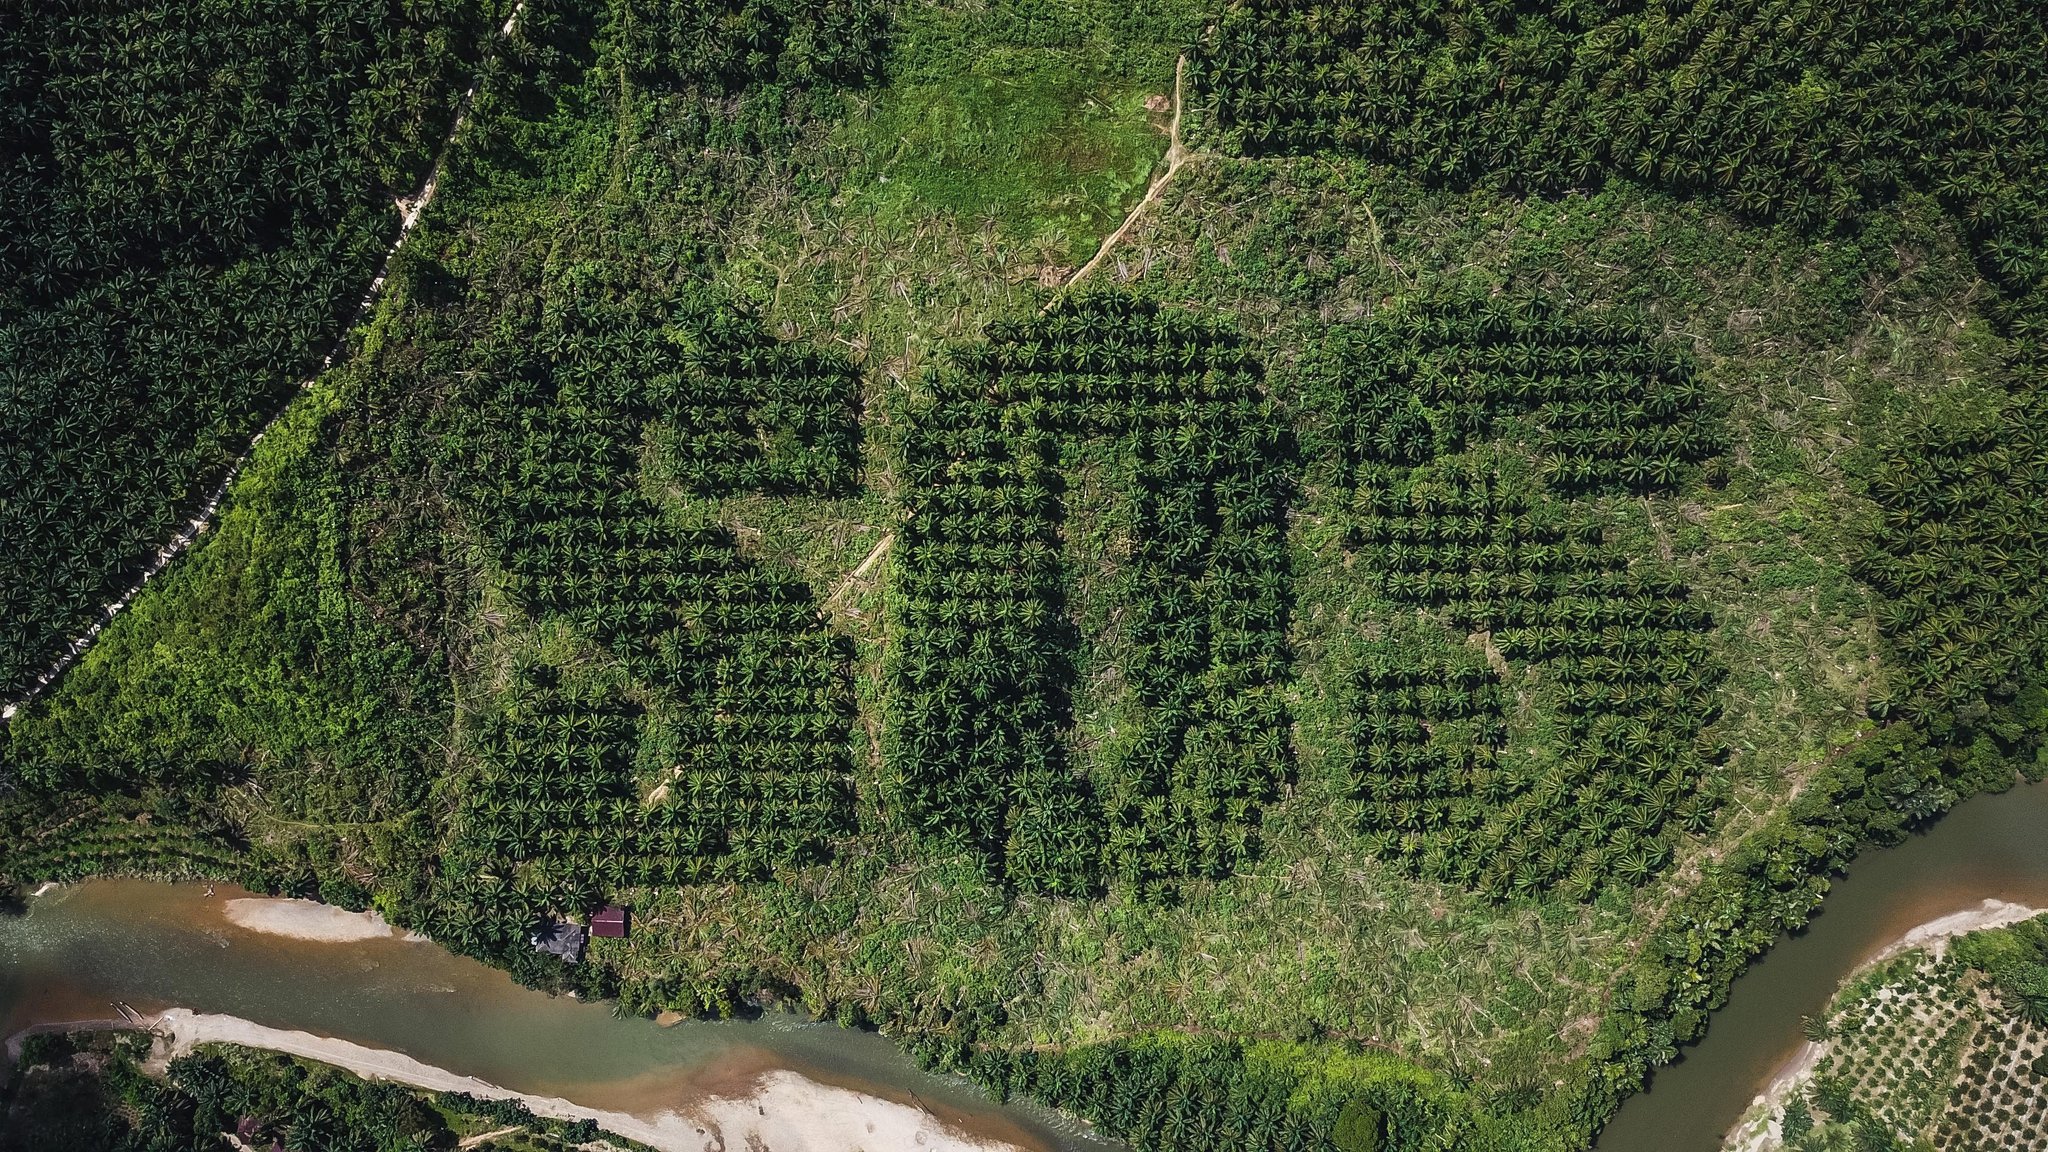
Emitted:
pixel 889 221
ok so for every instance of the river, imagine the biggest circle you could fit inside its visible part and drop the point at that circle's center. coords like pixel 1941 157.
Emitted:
pixel 83 947
pixel 1987 847
pixel 148 945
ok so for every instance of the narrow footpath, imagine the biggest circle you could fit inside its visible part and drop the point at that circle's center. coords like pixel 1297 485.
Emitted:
pixel 1176 156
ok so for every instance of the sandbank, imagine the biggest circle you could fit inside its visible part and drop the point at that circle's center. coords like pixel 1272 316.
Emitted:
pixel 781 1112
pixel 1935 934
pixel 306 920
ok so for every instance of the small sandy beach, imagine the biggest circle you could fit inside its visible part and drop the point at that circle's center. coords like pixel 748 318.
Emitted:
pixel 306 920
pixel 782 1112
pixel 1935 934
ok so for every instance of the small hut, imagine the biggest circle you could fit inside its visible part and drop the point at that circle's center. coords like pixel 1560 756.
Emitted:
pixel 559 938
pixel 609 922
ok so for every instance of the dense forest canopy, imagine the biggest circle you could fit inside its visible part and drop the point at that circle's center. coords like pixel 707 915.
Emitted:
pixel 193 198
pixel 1539 489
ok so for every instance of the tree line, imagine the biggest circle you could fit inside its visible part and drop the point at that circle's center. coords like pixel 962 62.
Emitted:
pixel 192 199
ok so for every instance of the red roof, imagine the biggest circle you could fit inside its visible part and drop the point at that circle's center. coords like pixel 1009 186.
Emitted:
pixel 609 922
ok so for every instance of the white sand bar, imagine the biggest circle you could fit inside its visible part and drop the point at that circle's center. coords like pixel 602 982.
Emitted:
pixel 785 1112
pixel 788 1112
pixel 1760 1128
pixel 1935 934
pixel 306 920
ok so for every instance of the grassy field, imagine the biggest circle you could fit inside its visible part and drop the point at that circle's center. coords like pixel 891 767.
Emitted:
pixel 304 691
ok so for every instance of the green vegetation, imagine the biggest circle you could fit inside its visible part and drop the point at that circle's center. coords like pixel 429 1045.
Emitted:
pixel 259 662
pixel 1929 1049
pixel 1373 674
pixel 2016 959
pixel 1466 427
pixel 1810 111
pixel 1026 117
pixel 980 665
pixel 719 681
pixel 192 200
pixel 1743 103
pixel 90 1092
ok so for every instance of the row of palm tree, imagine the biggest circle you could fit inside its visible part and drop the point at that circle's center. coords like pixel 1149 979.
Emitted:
pixel 728 45
pixel 736 721
pixel 1491 534
pixel 192 197
pixel 976 743
pixel 578 824
pixel 1197 1096
pixel 1815 113
pixel 122 848
pixel 1603 407
pixel 1959 563
pixel 973 748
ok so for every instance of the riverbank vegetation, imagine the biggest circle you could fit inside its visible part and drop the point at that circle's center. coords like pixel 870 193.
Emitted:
pixel 1377 659
pixel 1938 1047
pixel 96 1092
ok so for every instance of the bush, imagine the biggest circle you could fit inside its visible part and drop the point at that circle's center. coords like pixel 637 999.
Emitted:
pixel 1358 1127
pixel 1798 1120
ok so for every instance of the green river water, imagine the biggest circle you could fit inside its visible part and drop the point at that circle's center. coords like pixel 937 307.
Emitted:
pixel 82 948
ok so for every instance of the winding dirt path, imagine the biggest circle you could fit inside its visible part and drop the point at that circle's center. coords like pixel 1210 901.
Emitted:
pixel 410 209
pixel 1177 155
pixel 874 557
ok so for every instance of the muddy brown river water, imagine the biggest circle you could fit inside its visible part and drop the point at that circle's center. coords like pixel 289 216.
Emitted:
pixel 82 949
pixel 1990 847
